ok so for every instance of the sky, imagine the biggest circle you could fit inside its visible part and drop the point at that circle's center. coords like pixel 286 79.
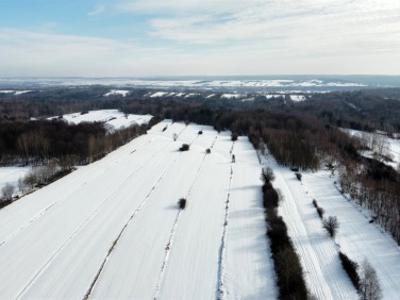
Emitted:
pixel 140 38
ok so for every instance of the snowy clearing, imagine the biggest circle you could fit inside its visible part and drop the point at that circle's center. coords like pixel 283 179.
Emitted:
pixel 11 175
pixel 318 253
pixel 356 236
pixel 122 93
pixel 15 92
pixel 298 98
pixel 112 118
pixel 113 229
pixel 390 146
pixel 231 96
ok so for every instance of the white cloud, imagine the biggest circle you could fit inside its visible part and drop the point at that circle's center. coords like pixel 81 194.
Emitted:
pixel 97 10
pixel 214 37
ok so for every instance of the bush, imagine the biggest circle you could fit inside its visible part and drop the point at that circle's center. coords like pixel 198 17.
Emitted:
pixel 351 269
pixel 320 210
pixel 331 225
pixel 182 203
pixel 369 283
pixel 268 174
pixel 299 176
pixel 8 192
pixel 184 147
pixel 287 264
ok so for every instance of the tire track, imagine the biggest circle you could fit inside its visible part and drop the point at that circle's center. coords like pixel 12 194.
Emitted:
pixel 221 292
pixel 175 226
pixel 129 221
pixel 44 211
pixel 87 221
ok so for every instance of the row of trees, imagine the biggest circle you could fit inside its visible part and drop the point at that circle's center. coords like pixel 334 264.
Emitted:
pixel 39 141
pixel 376 187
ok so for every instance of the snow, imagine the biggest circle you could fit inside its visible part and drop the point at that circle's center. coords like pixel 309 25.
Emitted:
pixel 356 237
pixel 169 83
pixel 15 92
pixel 230 96
pixel 11 175
pixel 272 96
pixel 113 119
pixel 297 98
pixel 158 94
pixel 112 229
pixel 324 275
pixel 122 93
pixel 391 146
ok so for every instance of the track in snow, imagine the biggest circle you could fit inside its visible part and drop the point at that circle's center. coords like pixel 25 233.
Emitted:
pixel 102 230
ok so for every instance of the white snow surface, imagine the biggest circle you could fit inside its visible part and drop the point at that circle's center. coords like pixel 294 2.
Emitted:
pixel 11 175
pixel 15 92
pixel 297 98
pixel 112 229
pixel 392 146
pixel 230 96
pixel 318 253
pixel 113 118
pixel 159 94
pixel 122 93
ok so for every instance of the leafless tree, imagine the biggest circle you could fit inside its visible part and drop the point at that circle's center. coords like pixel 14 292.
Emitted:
pixel 369 284
pixel 8 191
pixel 331 225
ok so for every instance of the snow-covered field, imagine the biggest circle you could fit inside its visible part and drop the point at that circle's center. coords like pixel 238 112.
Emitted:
pixel 122 93
pixel 15 92
pixel 391 147
pixel 112 118
pixel 318 253
pixel 11 175
pixel 112 229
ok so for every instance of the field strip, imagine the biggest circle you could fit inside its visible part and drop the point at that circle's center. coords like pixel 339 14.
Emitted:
pixel 173 230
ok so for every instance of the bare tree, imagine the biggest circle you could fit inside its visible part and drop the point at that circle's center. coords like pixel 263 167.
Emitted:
pixel 369 284
pixel 268 174
pixel 8 191
pixel 331 225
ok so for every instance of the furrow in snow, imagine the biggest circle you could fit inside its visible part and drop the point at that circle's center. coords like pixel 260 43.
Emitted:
pixel 175 225
pixel 130 220
pixel 221 259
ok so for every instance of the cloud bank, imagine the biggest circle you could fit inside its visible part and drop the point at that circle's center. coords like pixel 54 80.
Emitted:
pixel 216 37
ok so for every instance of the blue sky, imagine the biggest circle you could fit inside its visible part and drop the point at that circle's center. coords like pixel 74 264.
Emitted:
pixel 193 37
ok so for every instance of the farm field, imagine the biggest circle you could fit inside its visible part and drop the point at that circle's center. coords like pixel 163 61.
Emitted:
pixel 356 237
pixel 113 229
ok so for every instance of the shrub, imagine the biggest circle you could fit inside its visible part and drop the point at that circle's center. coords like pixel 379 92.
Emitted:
pixel 287 264
pixel 319 209
pixel 182 203
pixel 8 192
pixel 268 174
pixel 351 269
pixel 299 176
pixel 331 225
pixel 184 147
pixel 369 283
